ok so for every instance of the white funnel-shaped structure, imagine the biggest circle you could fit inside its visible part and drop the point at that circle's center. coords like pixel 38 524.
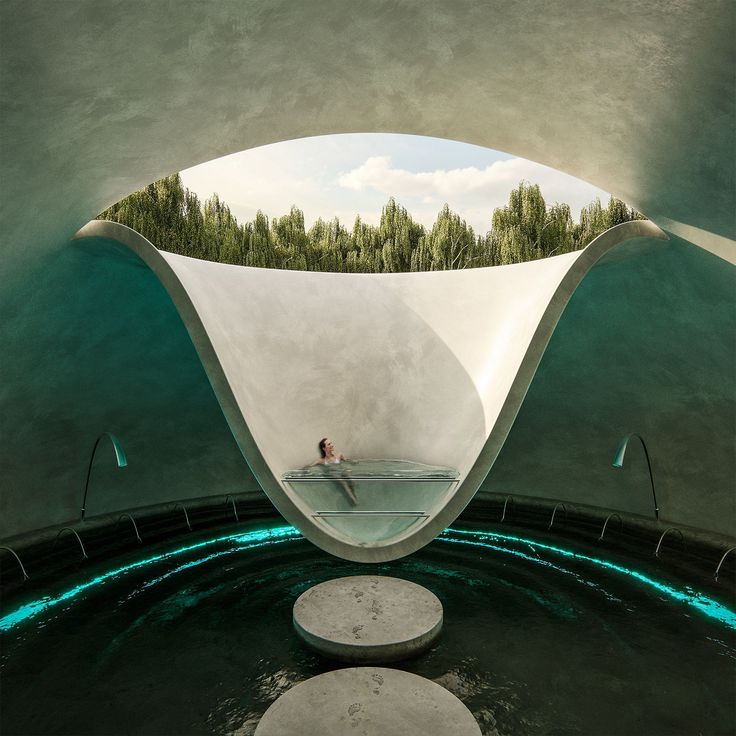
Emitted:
pixel 424 367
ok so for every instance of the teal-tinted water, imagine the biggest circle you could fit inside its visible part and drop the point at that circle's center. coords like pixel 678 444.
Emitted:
pixel 345 497
pixel 196 638
pixel 374 468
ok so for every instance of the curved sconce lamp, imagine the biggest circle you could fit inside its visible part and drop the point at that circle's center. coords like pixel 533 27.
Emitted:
pixel 618 462
pixel 122 462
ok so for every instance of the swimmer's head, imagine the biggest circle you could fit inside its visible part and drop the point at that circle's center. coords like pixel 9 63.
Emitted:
pixel 322 444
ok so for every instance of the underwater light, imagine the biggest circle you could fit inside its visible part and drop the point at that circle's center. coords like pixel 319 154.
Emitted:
pixel 263 537
pixel 252 539
pixel 707 606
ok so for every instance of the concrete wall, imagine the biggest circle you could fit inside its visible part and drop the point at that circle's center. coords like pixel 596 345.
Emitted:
pixel 95 345
pixel 103 98
pixel 611 367
pixel 413 366
pixel 637 98
pixel 646 345
pixel 430 367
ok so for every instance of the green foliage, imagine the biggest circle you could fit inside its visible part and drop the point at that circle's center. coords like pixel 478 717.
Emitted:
pixel 174 220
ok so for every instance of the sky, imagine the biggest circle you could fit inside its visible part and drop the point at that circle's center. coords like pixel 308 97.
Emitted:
pixel 355 174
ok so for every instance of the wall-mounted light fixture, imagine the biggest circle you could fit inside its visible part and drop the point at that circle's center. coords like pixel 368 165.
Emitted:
pixel 122 462
pixel 618 462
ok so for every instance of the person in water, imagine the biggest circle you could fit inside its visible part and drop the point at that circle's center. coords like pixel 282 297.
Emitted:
pixel 328 456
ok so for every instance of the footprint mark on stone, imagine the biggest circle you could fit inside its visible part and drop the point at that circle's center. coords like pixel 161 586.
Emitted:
pixel 378 679
pixel 354 708
pixel 356 631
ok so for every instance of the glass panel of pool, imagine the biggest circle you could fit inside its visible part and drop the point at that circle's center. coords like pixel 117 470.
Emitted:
pixel 371 501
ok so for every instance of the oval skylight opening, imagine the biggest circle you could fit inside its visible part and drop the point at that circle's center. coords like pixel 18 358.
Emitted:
pixel 370 203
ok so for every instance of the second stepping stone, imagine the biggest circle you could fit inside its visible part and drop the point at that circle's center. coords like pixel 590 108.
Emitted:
pixel 368 618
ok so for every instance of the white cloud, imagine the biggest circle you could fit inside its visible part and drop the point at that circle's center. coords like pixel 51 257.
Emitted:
pixel 468 190
pixel 348 175
pixel 377 173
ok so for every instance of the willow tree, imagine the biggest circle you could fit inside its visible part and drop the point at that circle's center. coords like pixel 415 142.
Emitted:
pixel 451 241
pixel 173 219
pixel 399 236
pixel 521 224
pixel 289 239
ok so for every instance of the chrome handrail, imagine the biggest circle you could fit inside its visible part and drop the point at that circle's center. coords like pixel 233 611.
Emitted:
pixel 135 526
pixel 79 539
pixel 231 498
pixel 347 476
pixel 605 524
pixel 505 504
pixel 23 570
pixel 318 514
pixel 664 533
pixel 725 554
pixel 554 511
pixel 186 515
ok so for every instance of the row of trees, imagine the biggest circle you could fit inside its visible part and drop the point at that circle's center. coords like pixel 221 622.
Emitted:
pixel 173 218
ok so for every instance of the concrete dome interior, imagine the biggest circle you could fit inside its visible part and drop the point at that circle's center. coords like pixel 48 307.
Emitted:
pixel 637 100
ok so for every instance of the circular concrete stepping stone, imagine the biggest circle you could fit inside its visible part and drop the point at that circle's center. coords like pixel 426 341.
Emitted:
pixel 368 701
pixel 368 618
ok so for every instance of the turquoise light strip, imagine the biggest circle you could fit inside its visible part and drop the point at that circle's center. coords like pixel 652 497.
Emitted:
pixel 252 539
pixel 255 539
pixel 702 603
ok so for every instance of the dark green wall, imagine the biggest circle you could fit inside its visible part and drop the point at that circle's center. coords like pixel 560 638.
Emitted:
pixel 94 344
pixel 646 345
pixel 91 342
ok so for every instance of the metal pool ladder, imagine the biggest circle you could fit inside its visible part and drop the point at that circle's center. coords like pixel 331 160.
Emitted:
pixel 25 574
pixel 605 524
pixel 417 514
pixel 554 511
pixel 664 534
pixel 79 539
pixel 715 574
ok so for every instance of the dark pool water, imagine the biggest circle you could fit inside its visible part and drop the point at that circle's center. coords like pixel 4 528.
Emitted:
pixel 201 642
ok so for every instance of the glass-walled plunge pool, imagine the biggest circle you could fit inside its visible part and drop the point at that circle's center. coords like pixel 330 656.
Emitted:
pixel 195 637
pixel 369 501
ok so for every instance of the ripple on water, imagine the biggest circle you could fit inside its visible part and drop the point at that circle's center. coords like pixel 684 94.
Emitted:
pixel 534 642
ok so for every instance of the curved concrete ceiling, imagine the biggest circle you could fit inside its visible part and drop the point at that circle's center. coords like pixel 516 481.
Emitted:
pixel 431 367
pixel 95 344
pixel 102 98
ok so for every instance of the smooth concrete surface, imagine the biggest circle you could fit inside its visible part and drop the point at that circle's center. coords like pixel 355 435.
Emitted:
pixel 368 618
pixel 368 701
pixel 648 350
pixel 116 358
pixel 121 361
pixel 102 98
pixel 438 365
